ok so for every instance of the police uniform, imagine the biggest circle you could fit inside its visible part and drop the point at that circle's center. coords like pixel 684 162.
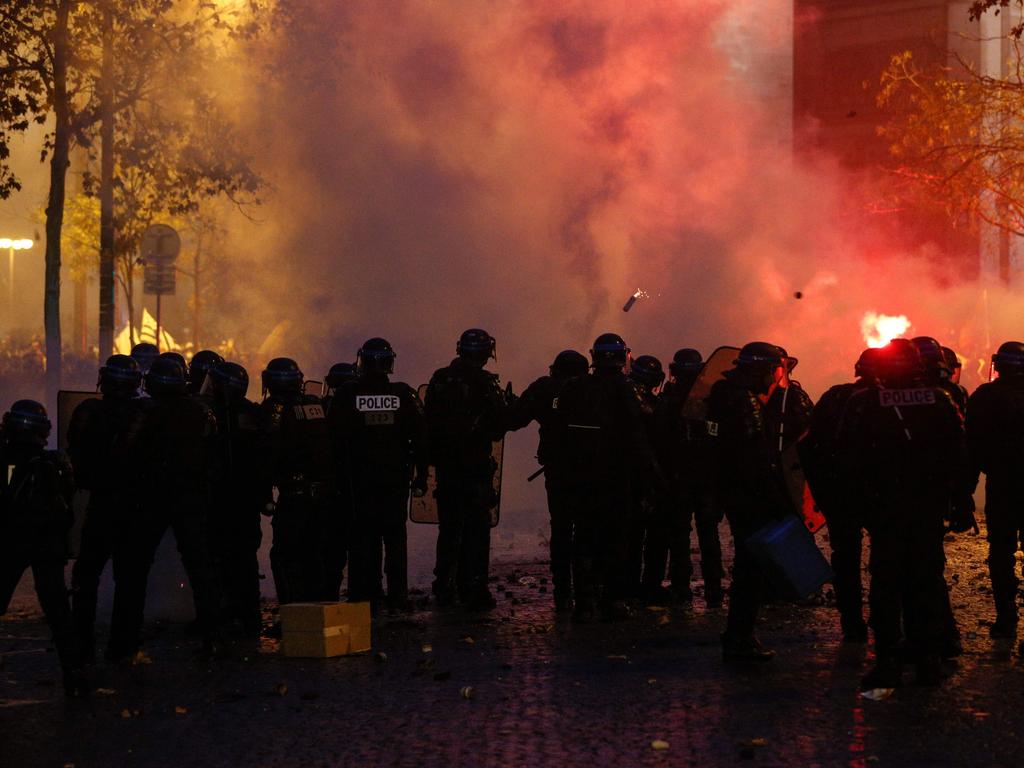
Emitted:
pixel 684 452
pixel 309 539
pixel 995 430
pixel 607 454
pixel 539 402
pixel 240 494
pixel 464 408
pixel 96 447
pixel 379 435
pixel 172 460
pixel 35 518
pixel 904 447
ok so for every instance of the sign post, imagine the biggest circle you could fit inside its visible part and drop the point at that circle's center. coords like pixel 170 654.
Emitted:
pixel 160 247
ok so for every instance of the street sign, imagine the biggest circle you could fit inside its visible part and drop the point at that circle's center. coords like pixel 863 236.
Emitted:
pixel 158 278
pixel 160 243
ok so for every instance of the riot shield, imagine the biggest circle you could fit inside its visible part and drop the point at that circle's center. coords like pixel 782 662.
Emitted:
pixel 423 509
pixel 312 387
pixel 67 401
pixel 721 360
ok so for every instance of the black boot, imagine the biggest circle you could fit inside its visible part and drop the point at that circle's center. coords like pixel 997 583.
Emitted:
pixel 886 673
pixel 76 685
pixel 744 649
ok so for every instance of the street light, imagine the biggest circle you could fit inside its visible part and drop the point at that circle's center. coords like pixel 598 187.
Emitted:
pixel 12 246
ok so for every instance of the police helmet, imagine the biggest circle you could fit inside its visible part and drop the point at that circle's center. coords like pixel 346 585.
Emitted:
pixel 202 363
pixel 176 357
pixel 867 364
pixel 375 356
pixel 899 360
pixel 932 357
pixel 569 364
pixel 647 370
pixel 282 377
pixel 761 354
pixel 609 351
pixel 952 359
pixel 1009 359
pixel 165 377
pixel 27 422
pixel 120 376
pixel 476 346
pixel 341 373
pixel 229 380
pixel 685 362
pixel 144 354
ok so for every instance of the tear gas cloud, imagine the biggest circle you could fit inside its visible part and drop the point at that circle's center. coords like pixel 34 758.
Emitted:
pixel 522 166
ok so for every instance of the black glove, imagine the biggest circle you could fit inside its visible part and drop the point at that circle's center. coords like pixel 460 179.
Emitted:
pixel 961 514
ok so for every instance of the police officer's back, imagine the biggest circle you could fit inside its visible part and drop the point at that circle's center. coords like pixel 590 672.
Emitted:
pixel 99 451
pixel 539 402
pixel 241 492
pixel 995 432
pixel 35 517
pixel 173 461
pixel 465 412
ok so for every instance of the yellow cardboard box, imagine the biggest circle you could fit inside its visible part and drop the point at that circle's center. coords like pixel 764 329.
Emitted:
pixel 323 630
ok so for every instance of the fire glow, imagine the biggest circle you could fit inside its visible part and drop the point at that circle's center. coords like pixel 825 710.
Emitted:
pixel 878 329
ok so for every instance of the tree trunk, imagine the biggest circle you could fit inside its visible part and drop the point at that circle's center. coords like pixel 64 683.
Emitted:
pixel 55 202
pixel 107 287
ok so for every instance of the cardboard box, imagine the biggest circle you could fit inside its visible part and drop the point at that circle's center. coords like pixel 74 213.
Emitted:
pixel 324 630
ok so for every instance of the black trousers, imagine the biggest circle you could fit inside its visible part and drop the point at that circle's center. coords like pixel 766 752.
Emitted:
pixel 52 593
pixel 133 558
pixel 235 537
pixel 378 536
pixel 300 552
pixel 1004 521
pixel 561 539
pixel 668 543
pixel 908 587
pixel 845 535
pixel 600 516
pixel 464 533
pixel 103 518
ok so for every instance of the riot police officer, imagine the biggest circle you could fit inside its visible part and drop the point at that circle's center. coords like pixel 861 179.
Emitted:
pixel 607 453
pixel 308 534
pixel 239 495
pixel 202 363
pixel 539 402
pixel 650 517
pixel 749 484
pixel 995 431
pixel 902 443
pixel 465 411
pixel 340 373
pixel 836 497
pixel 952 383
pixel 683 450
pixel 35 517
pixel 379 436
pixel 172 461
pixel 97 449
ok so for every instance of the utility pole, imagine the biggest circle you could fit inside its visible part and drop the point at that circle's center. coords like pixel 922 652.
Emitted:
pixel 106 303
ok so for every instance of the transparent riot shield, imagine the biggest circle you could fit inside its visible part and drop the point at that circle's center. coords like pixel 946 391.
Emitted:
pixel 67 401
pixel 423 509
pixel 312 387
pixel 721 360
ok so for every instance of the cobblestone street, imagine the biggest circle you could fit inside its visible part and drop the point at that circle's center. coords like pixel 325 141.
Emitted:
pixel 519 687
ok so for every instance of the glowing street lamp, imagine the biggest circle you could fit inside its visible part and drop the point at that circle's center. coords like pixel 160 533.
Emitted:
pixel 12 246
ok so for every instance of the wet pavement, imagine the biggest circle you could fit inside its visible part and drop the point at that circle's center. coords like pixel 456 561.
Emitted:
pixel 520 686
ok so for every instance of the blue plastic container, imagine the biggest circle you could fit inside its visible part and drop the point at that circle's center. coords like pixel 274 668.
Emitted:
pixel 790 558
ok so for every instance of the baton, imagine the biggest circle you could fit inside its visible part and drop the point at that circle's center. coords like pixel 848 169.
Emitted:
pixel 535 475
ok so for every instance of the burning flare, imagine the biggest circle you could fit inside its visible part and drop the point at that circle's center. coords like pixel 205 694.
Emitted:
pixel 878 330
